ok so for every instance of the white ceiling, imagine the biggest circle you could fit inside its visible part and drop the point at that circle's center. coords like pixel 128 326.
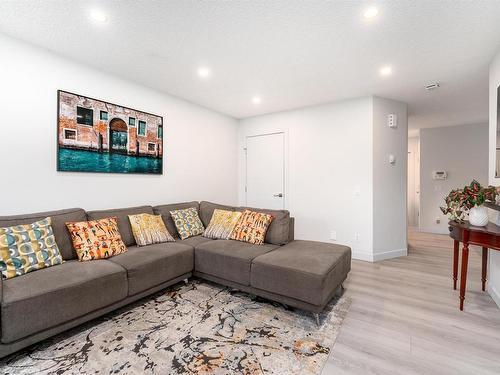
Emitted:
pixel 291 53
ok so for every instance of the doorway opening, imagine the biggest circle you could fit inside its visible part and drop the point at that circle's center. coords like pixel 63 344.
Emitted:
pixel 118 135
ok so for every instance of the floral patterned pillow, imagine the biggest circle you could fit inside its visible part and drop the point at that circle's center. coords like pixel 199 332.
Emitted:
pixel 222 224
pixel 96 239
pixel 252 227
pixel 187 222
pixel 149 229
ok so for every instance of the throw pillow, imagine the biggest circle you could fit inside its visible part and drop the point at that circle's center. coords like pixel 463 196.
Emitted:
pixel 252 227
pixel 221 224
pixel 96 239
pixel 26 248
pixel 187 222
pixel 149 229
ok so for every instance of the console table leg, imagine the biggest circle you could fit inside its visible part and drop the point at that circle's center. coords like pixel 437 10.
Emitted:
pixel 463 274
pixel 455 263
pixel 484 267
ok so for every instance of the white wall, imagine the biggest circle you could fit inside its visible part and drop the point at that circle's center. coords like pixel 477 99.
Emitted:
pixel 200 158
pixel 329 171
pixel 494 256
pixel 329 152
pixel 462 152
pixel 413 203
pixel 389 181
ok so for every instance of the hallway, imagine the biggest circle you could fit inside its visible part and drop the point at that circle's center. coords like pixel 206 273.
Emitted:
pixel 404 318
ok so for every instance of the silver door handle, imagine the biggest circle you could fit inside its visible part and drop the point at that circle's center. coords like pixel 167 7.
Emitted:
pixel 279 195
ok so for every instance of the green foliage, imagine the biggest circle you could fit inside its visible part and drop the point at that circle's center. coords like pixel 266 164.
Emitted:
pixel 460 201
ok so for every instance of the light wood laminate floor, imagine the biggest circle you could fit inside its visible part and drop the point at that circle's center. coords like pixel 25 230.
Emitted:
pixel 404 318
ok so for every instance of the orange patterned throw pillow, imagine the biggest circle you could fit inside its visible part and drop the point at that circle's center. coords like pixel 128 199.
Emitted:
pixel 97 239
pixel 252 227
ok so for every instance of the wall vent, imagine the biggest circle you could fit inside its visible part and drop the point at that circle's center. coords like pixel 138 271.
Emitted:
pixel 432 86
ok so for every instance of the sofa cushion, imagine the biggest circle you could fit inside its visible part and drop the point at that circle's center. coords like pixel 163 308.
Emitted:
pixel 305 270
pixel 152 265
pixel 27 248
pixel 149 229
pixel 123 221
pixel 58 223
pixel 164 211
pixel 228 259
pixel 187 222
pixel 252 227
pixel 51 296
pixel 278 232
pixel 222 224
pixel 207 210
pixel 96 239
pixel 194 241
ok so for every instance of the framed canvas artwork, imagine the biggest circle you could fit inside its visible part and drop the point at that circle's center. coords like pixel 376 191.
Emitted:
pixel 97 136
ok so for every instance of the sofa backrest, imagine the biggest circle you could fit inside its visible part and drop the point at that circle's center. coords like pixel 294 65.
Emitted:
pixel 278 232
pixel 123 220
pixel 164 211
pixel 207 210
pixel 59 220
pixel 291 233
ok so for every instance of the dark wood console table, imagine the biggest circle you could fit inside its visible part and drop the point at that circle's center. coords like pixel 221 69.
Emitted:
pixel 488 237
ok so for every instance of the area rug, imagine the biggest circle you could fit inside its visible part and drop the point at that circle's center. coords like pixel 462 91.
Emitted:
pixel 198 328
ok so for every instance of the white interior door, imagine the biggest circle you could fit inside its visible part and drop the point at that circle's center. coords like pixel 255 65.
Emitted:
pixel 265 171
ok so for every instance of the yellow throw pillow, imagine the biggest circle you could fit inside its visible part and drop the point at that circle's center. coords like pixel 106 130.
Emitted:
pixel 149 229
pixel 26 248
pixel 222 224
pixel 96 239
pixel 252 227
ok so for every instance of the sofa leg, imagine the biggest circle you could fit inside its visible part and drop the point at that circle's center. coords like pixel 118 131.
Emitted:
pixel 316 317
pixel 185 281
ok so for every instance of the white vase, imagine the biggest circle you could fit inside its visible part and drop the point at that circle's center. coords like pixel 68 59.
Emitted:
pixel 478 216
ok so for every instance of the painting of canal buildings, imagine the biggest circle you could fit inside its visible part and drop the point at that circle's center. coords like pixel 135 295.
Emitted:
pixel 96 136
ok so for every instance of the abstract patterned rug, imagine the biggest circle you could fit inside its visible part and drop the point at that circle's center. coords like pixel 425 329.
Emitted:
pixel 199 328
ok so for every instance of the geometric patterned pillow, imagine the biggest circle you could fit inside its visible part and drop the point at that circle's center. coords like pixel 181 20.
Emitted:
pixel 187 222
pixel 26 248
pixel 149 229
pixel 222 224
pixel 252 227
pixel 96 239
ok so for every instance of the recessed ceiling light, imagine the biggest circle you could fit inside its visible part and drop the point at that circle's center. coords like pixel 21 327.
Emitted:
pixel 256 100
pixel 204 72
pixel 386 71
pixel 98 16
pixel 370 12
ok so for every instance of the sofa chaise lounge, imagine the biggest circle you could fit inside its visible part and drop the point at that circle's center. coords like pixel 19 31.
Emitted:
pixel 40 304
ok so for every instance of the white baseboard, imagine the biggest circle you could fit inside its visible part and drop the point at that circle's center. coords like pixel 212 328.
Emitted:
pixel 390 254
pixel 362 255
pixel 371 257
pixel 434 230
pixel 495 295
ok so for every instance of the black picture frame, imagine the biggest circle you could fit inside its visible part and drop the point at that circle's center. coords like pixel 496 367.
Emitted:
pixel 106 146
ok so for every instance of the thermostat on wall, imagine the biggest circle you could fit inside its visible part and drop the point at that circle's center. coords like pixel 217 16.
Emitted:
pixel 439 175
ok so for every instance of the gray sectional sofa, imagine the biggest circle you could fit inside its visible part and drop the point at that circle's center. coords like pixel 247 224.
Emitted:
pixel 40 304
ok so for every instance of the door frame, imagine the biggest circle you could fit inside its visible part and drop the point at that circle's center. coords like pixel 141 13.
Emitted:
pixel 286 190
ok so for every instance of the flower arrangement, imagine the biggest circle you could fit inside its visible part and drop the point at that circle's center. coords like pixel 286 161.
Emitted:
pixel 460 201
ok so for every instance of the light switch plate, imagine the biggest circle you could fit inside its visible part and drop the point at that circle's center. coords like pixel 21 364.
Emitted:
pixel 392 121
